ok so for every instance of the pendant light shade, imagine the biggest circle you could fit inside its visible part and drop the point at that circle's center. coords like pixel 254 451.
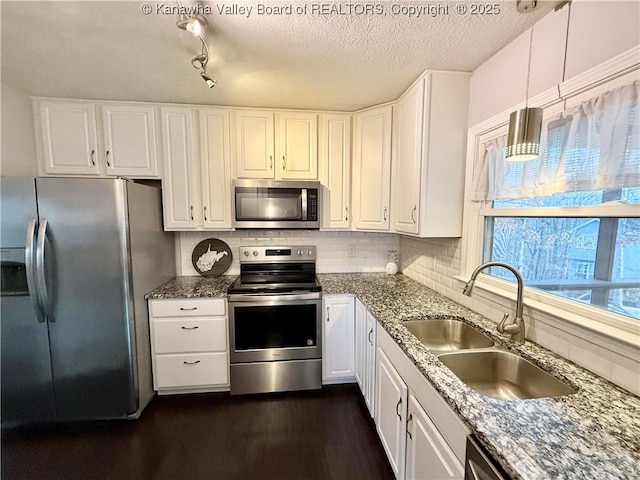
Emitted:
pixel 523 139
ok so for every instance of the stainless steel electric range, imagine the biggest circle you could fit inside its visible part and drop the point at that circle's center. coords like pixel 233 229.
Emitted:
pixel 275 329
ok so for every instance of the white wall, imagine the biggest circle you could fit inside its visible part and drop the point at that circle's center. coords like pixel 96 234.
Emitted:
pixel 18 147
pixel 598 31
pixel 371 249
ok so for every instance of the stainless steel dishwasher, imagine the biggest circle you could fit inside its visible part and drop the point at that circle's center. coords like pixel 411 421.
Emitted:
pixel 479 465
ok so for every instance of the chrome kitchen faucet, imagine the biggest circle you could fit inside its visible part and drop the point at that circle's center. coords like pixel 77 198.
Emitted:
pixel 516 328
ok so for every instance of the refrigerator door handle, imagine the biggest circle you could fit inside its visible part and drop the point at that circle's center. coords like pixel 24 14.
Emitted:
pixel 41 280
pixel 29 253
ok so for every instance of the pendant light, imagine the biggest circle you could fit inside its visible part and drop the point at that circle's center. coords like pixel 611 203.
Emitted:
pixel 525 125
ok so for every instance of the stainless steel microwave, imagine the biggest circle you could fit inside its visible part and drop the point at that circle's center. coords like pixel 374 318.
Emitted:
pixel 276 204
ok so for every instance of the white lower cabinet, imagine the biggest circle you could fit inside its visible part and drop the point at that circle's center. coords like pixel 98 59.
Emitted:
pixel 189 345
pixel 338 327
pixel 429 457
pixel 391 408
pixel 424 439
pixel 365 346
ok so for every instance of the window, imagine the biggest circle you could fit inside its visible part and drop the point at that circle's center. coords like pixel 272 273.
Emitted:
pixel 569 221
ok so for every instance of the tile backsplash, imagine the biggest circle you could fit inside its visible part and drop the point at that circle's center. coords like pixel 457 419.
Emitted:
pixel 369 250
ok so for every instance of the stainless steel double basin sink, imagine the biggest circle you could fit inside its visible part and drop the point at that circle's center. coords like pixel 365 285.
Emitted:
pixel 482 365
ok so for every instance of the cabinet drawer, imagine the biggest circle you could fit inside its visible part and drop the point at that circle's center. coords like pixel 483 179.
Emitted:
pixel 193 307
pixel 178 335
pixel 191 370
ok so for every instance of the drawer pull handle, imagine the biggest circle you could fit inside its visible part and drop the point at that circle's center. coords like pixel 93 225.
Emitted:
pixel 369 336
pixel 188 309
pixel 189 328
pixel 408 422
pixel 398 407
pixel 191 363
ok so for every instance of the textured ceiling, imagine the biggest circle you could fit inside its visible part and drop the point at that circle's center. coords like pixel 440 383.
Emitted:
pixel 111 50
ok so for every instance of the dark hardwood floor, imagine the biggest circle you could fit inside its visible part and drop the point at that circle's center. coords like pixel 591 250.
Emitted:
pixel 323 434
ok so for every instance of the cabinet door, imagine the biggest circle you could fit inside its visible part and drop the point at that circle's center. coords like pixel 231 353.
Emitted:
pixel 372 169
pixel 429 457
pixel 130 140
pixel 338 341
pixel 215 162
pixel 361 345
pixel 68 138
pixel 370 362
pixel 297 154
pixel 254 144
pixel 335 170
pixel 408 120
pixel 177 183
pixel 391 409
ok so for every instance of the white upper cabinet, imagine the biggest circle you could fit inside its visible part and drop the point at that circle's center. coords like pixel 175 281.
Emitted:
pixel 297 146
pixel 430 125
pixel 335 170
pixel 372 169
pixel 96 139
pixel 68 138
pixel 178 185
pixel 408 119
pixel 197 164
pixel 215 163
pixel 285 149
pixel 254 153
pixel 130 140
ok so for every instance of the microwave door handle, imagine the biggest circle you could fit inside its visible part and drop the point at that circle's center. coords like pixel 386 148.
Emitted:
pixel 303 197
pixel 29 263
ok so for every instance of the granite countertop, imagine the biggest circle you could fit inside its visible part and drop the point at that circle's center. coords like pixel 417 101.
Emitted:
pixel 193 287
pixel 593 434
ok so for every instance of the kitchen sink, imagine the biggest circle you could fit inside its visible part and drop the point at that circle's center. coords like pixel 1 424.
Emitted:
pixel 448 334
pixel 503 375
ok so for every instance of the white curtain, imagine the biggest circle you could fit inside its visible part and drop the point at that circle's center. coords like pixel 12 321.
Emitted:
pixel 592 146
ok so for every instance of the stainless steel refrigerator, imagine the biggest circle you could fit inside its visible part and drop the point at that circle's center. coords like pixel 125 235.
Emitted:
pixel 77 257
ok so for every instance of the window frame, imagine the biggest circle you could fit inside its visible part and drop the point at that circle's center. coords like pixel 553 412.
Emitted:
pixel 569 313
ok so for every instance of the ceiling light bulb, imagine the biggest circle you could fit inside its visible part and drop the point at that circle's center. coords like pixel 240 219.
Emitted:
pixel 194 26
pixel 199 61
pixel 210 82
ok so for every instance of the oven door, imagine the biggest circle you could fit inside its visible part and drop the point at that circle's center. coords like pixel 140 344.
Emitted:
pixel 266 328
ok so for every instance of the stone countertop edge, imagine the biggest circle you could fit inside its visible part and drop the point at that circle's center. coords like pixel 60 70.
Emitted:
pixel 193 287
pixel 594 433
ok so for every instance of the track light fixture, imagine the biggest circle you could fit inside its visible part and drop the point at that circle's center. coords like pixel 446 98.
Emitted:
pixel 196 24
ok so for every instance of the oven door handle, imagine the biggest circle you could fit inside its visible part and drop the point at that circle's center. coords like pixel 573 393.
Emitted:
pixel 270 297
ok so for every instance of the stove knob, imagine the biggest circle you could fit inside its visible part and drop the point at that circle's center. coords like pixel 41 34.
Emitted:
pixel 309 253
pixel 300 252
pixel 255 253
pixel 246 253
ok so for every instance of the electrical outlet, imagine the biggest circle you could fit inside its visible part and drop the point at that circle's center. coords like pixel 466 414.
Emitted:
pixel 352 250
